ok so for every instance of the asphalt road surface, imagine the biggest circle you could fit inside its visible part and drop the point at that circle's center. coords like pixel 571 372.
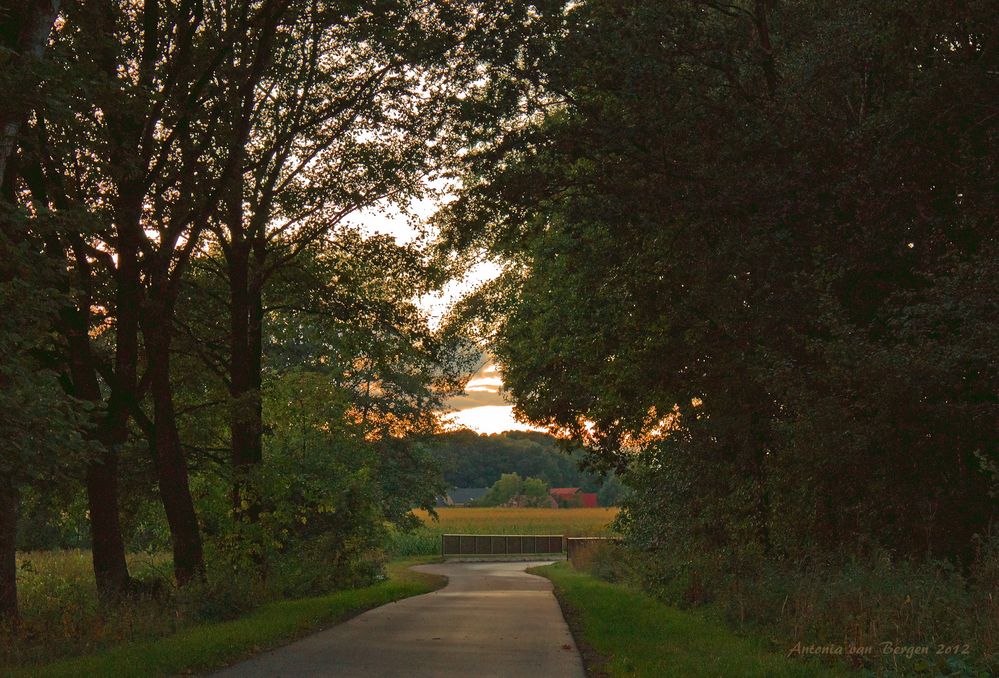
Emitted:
pixel 492 619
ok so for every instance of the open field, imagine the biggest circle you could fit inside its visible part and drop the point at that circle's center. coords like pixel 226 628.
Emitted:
pixel 570 522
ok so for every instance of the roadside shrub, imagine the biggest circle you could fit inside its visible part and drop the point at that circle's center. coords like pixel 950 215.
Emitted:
pixel 875 601
pixel 318 525
pixel 218 598
pixel 512 490
pixel 309 522
pixel 751 550
pixel 62 616
pixel 610 562
pixel 421 541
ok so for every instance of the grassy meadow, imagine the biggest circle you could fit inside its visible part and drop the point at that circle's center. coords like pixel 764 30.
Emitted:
pixel 66 633
pixel 59 607
pixel 426 540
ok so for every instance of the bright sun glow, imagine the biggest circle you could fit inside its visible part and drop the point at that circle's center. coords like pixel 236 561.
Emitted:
pixel 482 407
pixel 487 419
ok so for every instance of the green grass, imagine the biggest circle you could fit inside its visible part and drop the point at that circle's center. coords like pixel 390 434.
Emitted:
pixel 207 646
pixel 61 616
pixel 640 636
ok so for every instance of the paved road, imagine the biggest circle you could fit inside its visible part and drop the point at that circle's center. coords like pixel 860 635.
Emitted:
pixel 492 619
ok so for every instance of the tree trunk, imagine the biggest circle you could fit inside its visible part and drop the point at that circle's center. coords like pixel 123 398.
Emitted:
pixel 107 544
pixel 240 368
pixel 766 47
pixel 8 564
pixel 110 568
pixel 245 311
pixel 25 31
pixel 256 330
pixel 245 378
pixel 171 465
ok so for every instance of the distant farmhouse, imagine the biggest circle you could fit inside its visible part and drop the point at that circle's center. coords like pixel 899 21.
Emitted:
pixel 461 496
pixel 572 497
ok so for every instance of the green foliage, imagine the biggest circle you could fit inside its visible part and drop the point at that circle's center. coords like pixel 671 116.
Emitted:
pixel 470 459
pixel 633 634
pixel 866 601
pixel 317 524
pixel 42 428
pixel 612 492
pixel 52 520
pixel 511 488
pixel 169 635
pixel 751 263
pixel 166 144
pixel 313 516
pixel 733 226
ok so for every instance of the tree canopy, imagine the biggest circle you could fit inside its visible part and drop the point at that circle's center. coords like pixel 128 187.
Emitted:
pixel 511 488
pixel 750 269
pixel 201 350
pixel 751 260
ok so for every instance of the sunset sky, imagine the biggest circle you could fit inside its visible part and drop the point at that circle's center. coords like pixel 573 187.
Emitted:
pixel 482 407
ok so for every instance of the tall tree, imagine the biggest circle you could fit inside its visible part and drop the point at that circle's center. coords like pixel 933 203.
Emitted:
pixel 153 108
pixel 350 116
pixel 41 428
pixel 24 34
pixel 730 232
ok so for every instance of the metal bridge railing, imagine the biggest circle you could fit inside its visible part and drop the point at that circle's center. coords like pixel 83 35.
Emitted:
pixel 501 544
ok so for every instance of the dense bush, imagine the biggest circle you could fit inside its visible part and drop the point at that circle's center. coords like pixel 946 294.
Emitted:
pixel 855 601
pixel 317 525
pixel 525 492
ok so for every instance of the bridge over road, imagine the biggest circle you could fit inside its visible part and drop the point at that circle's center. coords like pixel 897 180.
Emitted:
pixel 491 620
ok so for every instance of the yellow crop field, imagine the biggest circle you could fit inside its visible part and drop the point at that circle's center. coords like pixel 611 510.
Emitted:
pixel 575 522
pixel 426 540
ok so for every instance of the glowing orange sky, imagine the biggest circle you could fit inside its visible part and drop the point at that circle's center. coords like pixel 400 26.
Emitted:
pixel 482 407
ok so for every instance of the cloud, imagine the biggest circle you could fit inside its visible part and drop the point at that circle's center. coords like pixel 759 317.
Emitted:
pixel 482 390
pixel 475 399
pixel 482 406
pixel 490 384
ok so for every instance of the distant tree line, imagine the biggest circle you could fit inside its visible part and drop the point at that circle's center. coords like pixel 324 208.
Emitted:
pixel 470 459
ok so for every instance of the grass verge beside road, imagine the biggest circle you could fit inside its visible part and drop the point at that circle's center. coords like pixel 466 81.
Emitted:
pixel 209 646
pixel 624 632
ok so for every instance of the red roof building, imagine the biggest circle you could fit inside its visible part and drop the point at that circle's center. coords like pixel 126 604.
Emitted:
pixel 571 497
